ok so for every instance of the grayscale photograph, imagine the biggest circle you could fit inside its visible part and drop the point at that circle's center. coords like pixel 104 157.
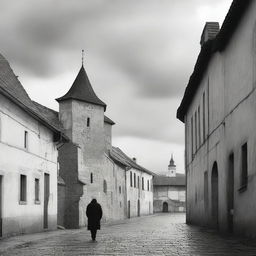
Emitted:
pixel 128 127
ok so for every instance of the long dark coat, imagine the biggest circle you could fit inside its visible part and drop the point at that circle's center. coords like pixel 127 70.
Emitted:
pixel 94 215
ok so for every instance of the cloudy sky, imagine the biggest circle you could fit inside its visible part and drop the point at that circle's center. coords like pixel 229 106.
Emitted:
pixel 138 56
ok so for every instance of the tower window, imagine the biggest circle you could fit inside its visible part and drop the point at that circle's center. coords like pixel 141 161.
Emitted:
pixel 105 186
pixel 26 139
pixel 88 121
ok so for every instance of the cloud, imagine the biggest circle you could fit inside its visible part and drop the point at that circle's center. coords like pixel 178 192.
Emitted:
pixel 148 40
pixel 138 55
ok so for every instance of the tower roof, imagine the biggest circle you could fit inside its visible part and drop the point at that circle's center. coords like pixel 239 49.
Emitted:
pixel 171 164
pixel 81 89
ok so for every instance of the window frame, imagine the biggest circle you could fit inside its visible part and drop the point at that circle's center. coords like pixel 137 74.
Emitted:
pixel 23 189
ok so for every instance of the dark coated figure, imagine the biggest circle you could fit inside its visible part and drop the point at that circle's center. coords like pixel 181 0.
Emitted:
pixel 94 215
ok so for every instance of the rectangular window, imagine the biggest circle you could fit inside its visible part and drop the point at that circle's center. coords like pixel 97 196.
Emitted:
pixel 131 179
pixel 204 135
pixel 134 180
pixel 88 122
pixel 199 127
pixel 26 139
pixel 23 188
pixel 148 185
pixel 91 177
pixel 192 139
pixel 138 182
pixel 196 129
pixel 244 171
pixel 120 189
pixel 36 190
pixel 142 183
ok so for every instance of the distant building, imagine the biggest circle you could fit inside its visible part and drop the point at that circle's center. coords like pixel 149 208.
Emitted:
pixel 90 167
pixel 169 190
pixel 218 109
pixel 139 185
pixel 28 160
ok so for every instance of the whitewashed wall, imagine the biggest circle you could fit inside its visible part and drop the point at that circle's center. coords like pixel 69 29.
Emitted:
pixel 40 157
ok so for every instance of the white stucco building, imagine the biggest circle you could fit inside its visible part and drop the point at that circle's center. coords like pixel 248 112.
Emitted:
pixel 218 109
pixel 139 185
pixel 28 160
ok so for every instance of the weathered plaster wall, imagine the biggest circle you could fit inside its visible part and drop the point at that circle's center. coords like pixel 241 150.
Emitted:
pixel 39 158
pixel 135 193
pixel 230 84
pixel 94 167
pixel 174 196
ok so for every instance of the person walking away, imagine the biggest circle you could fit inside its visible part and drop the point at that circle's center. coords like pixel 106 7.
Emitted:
pixel 94 215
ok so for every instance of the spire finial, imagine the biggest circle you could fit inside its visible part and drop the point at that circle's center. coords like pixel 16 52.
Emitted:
pixel 82 57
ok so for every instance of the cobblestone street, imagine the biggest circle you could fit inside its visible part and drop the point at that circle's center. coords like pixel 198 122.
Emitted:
pixel 165 234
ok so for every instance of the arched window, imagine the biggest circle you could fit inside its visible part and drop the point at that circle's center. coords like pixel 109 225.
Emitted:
pixel 105 186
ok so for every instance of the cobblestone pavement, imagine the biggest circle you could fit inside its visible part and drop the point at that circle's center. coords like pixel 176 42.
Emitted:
pixel 164 234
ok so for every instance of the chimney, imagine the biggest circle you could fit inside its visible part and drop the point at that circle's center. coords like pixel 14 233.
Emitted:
pixel 134 159
pixel 210 31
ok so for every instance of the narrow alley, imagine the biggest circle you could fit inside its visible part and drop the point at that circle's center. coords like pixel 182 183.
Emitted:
pixel 162 234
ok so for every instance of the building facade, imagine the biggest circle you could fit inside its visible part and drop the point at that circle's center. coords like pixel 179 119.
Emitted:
pixel 28 160
pixel 87 163
pixel 169 190
pixel 218 109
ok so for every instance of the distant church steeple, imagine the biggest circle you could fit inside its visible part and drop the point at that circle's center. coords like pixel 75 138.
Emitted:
pixel 81 90
pixel 172 168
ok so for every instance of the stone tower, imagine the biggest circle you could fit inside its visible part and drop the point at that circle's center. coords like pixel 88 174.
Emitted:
pixel 172 168
pixel 81 113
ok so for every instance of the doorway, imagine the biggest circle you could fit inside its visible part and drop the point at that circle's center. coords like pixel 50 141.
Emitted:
pixel 1 193
pixel 46 198
pixel 230 191
pixel 215 195
pixel 138 208
pixel 165 207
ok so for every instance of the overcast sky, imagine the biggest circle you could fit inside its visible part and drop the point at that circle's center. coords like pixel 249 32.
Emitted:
pixel 138 56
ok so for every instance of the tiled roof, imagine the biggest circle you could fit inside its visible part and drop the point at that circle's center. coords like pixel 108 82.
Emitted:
pixel 179 180
pixel 52 115
pixel 82 90
pixel 108 120
pixel 119 156
pixel 232 20
pixel 11 87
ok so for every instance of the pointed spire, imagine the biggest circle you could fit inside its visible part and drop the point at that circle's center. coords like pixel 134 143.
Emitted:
pixel 82 90
pixel 83 57
pixel 172 162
